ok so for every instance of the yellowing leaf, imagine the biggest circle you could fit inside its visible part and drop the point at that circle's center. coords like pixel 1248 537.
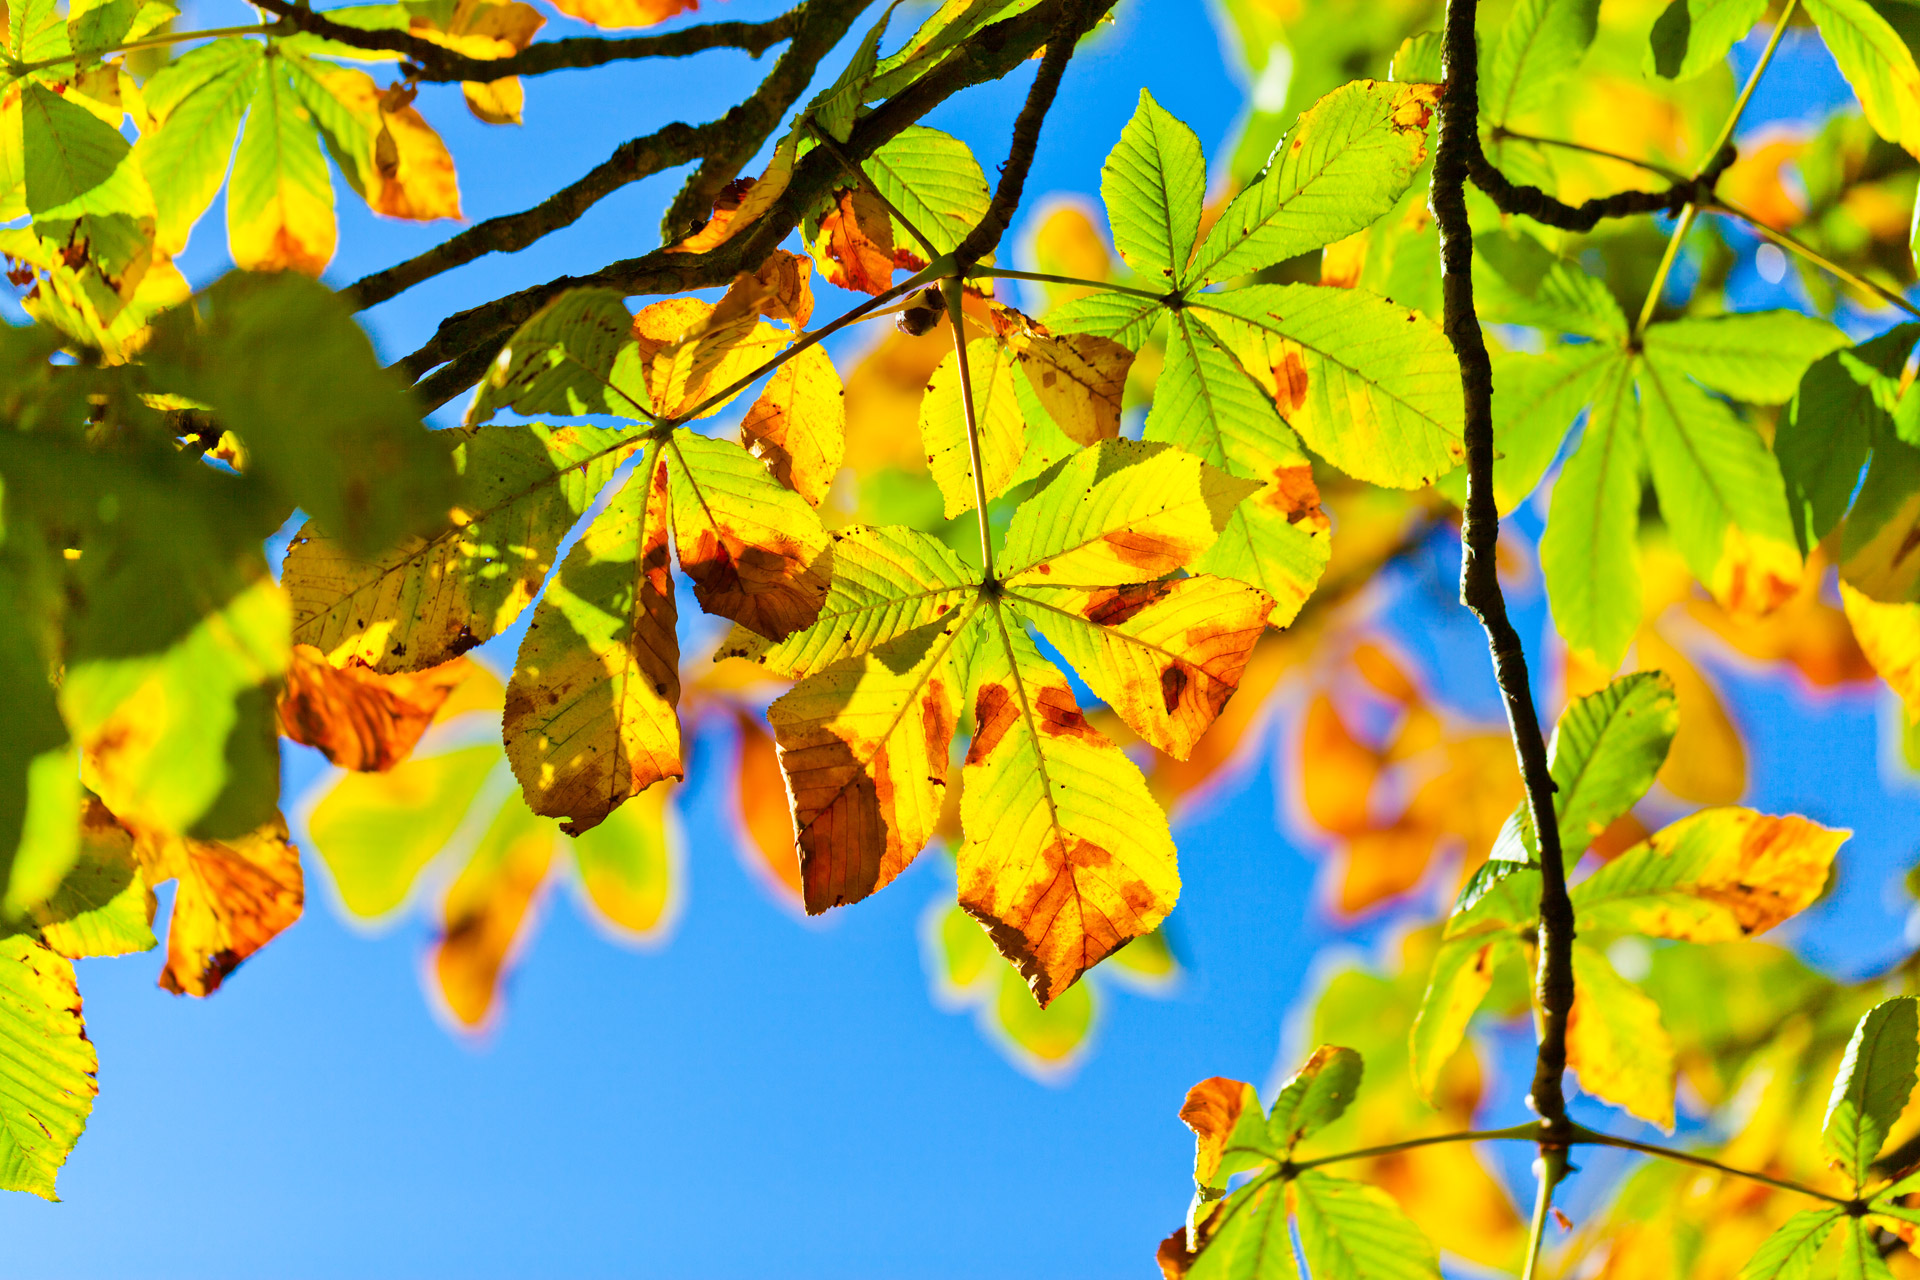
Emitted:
pixel 590 714
pixel 1066 242
pixel 1229 1129
pixel 742 202
pixel 996 408
pixel 1708 761
pixel 798 426
pixel 629 864
pixel 1715 876
pixel 280 198
pixel 1462 975
pixel 487 907
pixel 766 827
pixel 693 349
pixel 358 718
pixel 853 246
pixel 47 1091
pixel 496 101
pixel 378 831
pixel 1078 378
pixel 1615 1040
pixel 232 897
pixel 403 168
pixel 1890 636
pixel 614 14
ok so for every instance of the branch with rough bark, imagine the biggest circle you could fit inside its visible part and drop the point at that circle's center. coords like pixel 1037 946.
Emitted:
pixel 1454 156
pixel 467 340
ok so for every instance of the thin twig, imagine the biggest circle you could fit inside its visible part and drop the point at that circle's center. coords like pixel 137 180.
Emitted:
pixel 1792 244
pixel 1002 273
pixel 437 63
pixel 1583 1136
pixel 1519 1132
pixel 859 176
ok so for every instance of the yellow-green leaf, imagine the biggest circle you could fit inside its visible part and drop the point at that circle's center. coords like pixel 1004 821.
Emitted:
pixel 47 1087
pixel 1616 1042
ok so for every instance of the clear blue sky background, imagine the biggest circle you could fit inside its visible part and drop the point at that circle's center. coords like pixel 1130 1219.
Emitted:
pixel 763 1097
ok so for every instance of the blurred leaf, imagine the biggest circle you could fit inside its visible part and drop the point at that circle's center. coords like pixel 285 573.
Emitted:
pixel 1542 42
pixel 487 907
pixel 377 831
pixel 1877 63
pixel 232 897
pixel 627 863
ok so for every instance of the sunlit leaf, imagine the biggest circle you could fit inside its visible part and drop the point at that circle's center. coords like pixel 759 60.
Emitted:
pixel 197 102
pixel 1877 63
pixel 1152 184
pixel 1351 1231
pixel 1616 1042
pixel 1462 975
pixel 1590 551
pixel 1542 42
pixel 1229 1129
pixel 798 426
pixel 933 180
pixel 357 718
pixel 102 907
pixel 1001 427
pixel 280 198
pixel 486 910
pixel 1789 1252
pixel 1315 1096
pixel 1758 356
pixel 232 897
pixel 47 1091
pixel 1872 1086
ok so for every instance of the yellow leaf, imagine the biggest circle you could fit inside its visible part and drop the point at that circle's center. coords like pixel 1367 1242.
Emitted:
pixel 280 197
pixel 629 865
pixel 590 713
pixel 1615 1040
pixel 232 898
pixel 741 203
pixel 1068 243
pixel 692 349
pixel 1001 427
pixel 358 718
pixel 495 101
pixel 1889 634
pixel 798 426
pixel 487 908
pixel 411 178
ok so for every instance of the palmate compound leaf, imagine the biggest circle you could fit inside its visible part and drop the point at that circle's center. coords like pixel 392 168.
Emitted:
pixel 1065 856
pixel 1351 1231
pixel 1789 1252
pixel 1872 1087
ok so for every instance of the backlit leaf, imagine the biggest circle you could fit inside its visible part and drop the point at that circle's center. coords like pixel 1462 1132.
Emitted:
pixel 1590 551
pixel 1789 1252
pixel 854 246
pixel 1542 42
pixel 487 908
pixel 1606 751
pixel 1694 36
pixel 1462 975
pixel 1889 634
pixel 1229 1130
pixel 197 102
pixel 628 864
pixel 798 426
pixel 1877 63
pixel 1757 356
pixel 102 907
pixel 1715 876
pixel 618 14
pixel 232 897
pixel 933 180
pixel 1315 1096
pixel 47 1088
pixel 1872 1086
pixel 378 831
pixel 1616 1042
pixel 1343 165
pixel 565 360
pixel 399 165
pixel 1152 184
pixel 280 198
pixel 358 718
pixel 1250 1240
pixel 996 407
pixel 590 714
pixel 1351 1231
pixel 1842 406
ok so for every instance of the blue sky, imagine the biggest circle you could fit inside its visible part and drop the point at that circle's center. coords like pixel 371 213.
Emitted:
pixel 764 1096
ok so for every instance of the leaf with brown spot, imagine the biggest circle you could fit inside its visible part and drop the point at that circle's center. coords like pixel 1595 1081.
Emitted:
pixel 1002 426
pixel 852 243
pixel 1719 875
pixel 691 349
pixel 1229 1129
pixel 1078 378
pixel 798 426
pixel 590 713
pixel 743 202
pixel 356 717
pixel 232 898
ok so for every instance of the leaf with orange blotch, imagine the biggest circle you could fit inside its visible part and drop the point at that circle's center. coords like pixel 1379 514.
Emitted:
pixel 692 349
pixel 591 711
pixel 1229 1129
pixel 356 717
pixel 1337 771
pixel 1890 636
pixel 1176 781
pixel 742 202
pixel 386 149
pixel 852 243
pixel 616 14
pixel 1616 1042
pixel 280 198
pixel 1065 857
pixel 798 426
pixel 1719 875
pixel 232 898
pixel 765 827
pixel 1809 634
pixel 486 910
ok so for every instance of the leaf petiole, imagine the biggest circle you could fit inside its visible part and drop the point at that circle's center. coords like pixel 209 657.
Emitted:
pixel 1041 277
pixel 155 42
pixel 957 319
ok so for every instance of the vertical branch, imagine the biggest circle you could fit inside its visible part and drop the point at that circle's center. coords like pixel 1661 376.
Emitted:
pixel 1480 586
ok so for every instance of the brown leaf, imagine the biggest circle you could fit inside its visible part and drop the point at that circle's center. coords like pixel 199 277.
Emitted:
pixel 232 898
pixel 854 245
pixel 358 718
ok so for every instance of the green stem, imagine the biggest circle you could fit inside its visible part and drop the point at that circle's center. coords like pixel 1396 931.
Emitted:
pixel 1002 273
pixel 1553 1162
pixel 1588 1137
pixel 1685 222
pixel 1519 1132
pixel 955 317
pixel 155 42
pixel 1790 243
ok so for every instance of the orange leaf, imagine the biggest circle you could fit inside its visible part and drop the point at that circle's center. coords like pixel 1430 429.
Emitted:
pixel 1708 762
pixel 358 718
pixel 854 245
pixel 1222 1113
pixel 412 174
pixel 761 791
pixel 233 897
pixel 487 908
pixel 1337 770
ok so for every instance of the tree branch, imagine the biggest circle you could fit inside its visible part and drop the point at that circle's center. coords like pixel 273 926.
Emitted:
pixel 1514 197
pixel 436 63
pixel 988 55
pixel 1480 591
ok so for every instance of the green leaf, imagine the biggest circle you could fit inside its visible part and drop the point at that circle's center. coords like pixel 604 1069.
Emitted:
pixel 280 197
pixel 377 831
pixel 1872 1086
pixel 1127 318
pixel 1371 387
pixel 1539 398
pixel 103 906
pixel 950 24
pixel 1351 1231
pixel 1343 165
pixel 93 28
pixel 1758 356
pixel 1253 1242
pixel 836 107
pixel 47 1086
pixel 1278 540
pixel 1518 280
pixel 1590 552
pixel 1841 409
pixel 39 768
pixel 1720 492
pixel 1543 41
pixel 1463 971
pixel 568 359
pixel 1606 751
pixel 1695 36
pixel 1229 1131
pixel 197 101
pixel 1315 1096
pixel 284 366
pixel 1788 1253
pixel 1152 184
pixel 1615 1040
pixel 1876 62
pixel 431 599
pixel 933 180
pixel 1860 1252
pixel 73 159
